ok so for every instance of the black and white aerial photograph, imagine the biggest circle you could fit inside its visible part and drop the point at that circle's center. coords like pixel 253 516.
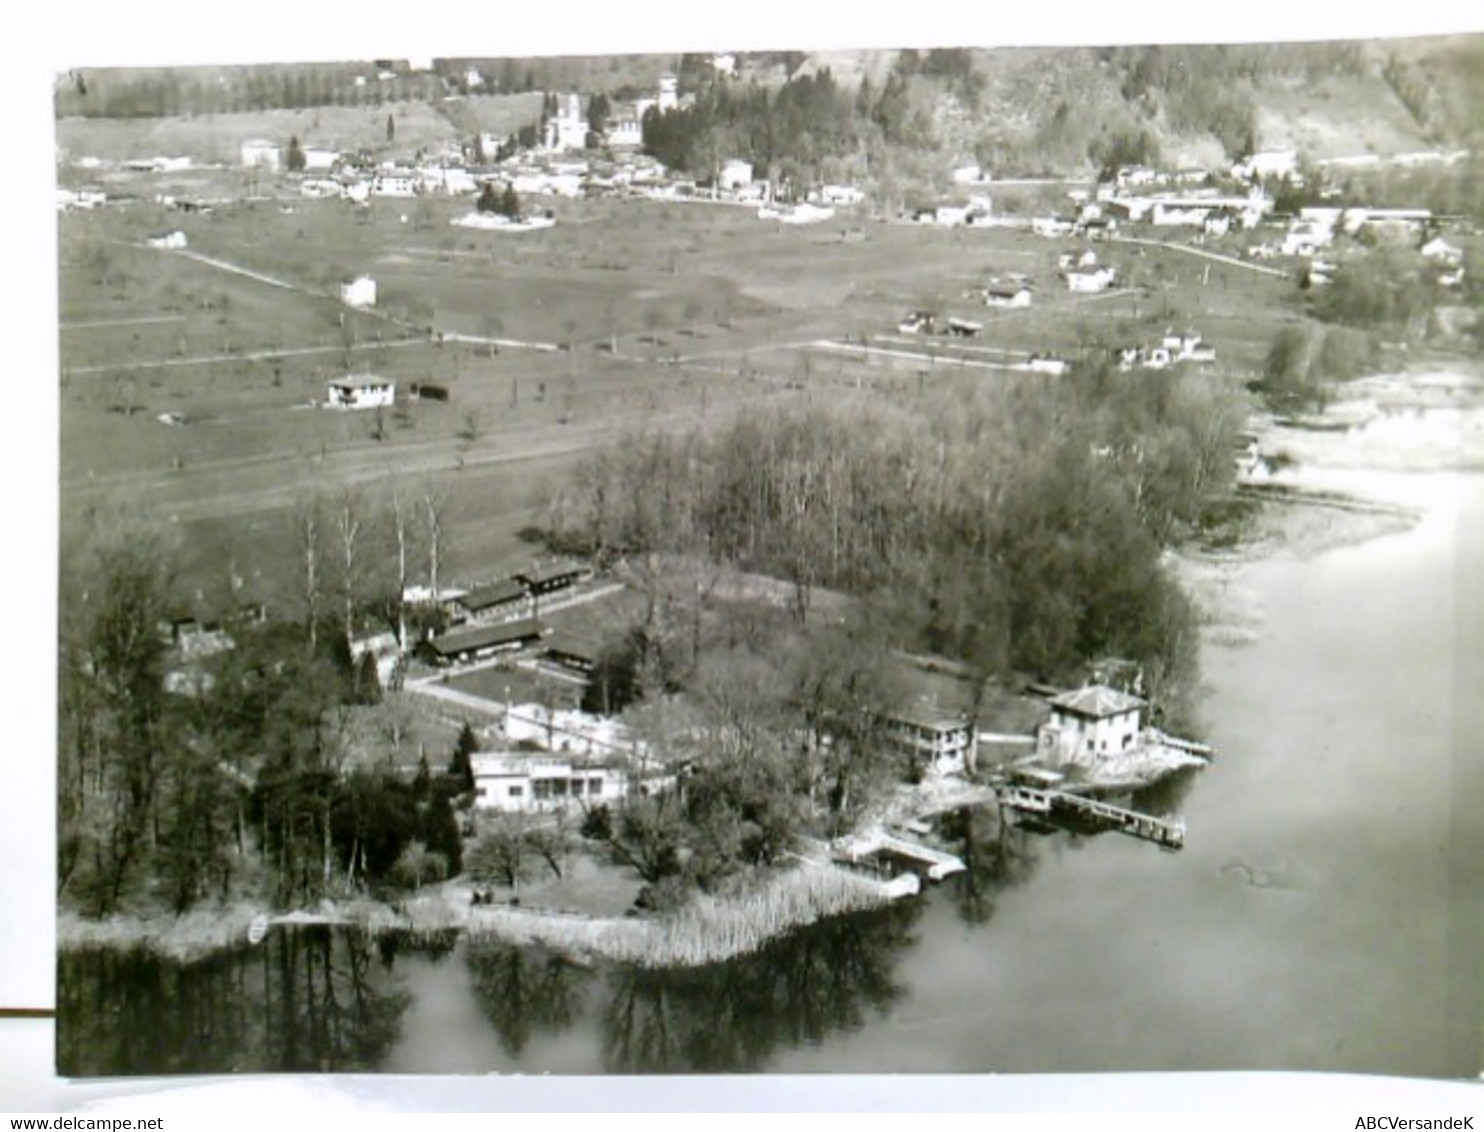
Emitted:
pixel 937 559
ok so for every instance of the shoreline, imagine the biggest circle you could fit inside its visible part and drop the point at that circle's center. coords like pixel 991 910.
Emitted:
pixel 1297 521
pixel 707 929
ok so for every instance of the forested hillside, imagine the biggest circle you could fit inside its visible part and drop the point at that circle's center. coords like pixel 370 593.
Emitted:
pixel 1017 111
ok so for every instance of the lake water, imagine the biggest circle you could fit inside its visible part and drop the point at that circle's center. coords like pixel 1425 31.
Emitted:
pixel 1324 915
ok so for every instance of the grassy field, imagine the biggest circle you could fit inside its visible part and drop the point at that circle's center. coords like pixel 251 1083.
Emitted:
pixel 666 316
pixel 219 137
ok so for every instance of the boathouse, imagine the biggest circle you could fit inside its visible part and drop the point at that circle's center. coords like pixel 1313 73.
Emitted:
pixel 1093 723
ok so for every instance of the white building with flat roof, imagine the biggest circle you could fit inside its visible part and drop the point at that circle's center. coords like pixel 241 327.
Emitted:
pixel 361 391
pixel 514 782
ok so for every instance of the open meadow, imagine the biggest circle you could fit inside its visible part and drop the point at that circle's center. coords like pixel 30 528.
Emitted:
pixel 191 376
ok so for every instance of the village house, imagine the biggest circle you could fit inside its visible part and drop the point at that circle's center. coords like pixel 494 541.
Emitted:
pixel 361 391
pixel 1271 163
pixel 625 130
pixel 1188 348
pixel 259 154
pixel 566 130
pixel 463 645
pixel 1090 724
pixel 1090 282
pixel 170 241
pixel 394 183
pixel 735 174
pixel 838 195
pixel 1397 225
pixel 359 293
pixel 321 188
pixel 1011 294
pixel 1171 213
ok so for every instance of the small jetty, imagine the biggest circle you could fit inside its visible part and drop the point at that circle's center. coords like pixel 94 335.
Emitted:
pixel 879 850
pixel 1146 827
pixel 257 930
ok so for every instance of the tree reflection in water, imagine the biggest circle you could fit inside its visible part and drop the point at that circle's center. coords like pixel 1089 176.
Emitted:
pixel 730 1017
pixel 997 854
pixel 307 999
pixel 524 991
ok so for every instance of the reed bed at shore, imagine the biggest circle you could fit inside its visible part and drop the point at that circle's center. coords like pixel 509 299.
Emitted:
pixel 707 930
pixel 185 938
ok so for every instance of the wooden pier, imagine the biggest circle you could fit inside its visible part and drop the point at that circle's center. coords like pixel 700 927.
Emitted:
pixel 932 863
pixel 1169 834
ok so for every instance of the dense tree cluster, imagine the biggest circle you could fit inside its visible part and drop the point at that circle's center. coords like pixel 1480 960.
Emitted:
pixel 1021 524
pixel 229 775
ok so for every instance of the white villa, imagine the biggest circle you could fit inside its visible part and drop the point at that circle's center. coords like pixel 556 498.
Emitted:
pixel 1089 725
pixel 513 782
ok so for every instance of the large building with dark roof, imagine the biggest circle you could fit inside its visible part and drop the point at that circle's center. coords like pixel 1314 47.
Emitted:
pixel 482 641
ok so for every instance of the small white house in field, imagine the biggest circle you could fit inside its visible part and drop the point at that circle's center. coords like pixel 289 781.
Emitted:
pixel 171 241
pixel 1090 282
pixel 1013 295
pixel 319 160
pixel 359 292
pixel 361 391
pixel 259 154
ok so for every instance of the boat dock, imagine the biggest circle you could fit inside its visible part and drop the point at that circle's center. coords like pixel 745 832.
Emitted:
pixel 869 848
pixel 1169 834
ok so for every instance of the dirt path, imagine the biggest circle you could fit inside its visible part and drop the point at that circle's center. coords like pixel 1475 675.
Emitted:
pixel 245 356
pixel 1226 259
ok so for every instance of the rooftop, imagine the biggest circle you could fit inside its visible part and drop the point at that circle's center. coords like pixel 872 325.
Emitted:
pixel 360 381
pixel 549 571
pixel 497 593
pixel 927 715
pixel 466 640
pixel 1096 702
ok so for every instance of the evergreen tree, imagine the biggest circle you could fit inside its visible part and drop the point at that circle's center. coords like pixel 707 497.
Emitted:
pixel 460 765
pixel 391 128
pixel 294 159
pixel 510 203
